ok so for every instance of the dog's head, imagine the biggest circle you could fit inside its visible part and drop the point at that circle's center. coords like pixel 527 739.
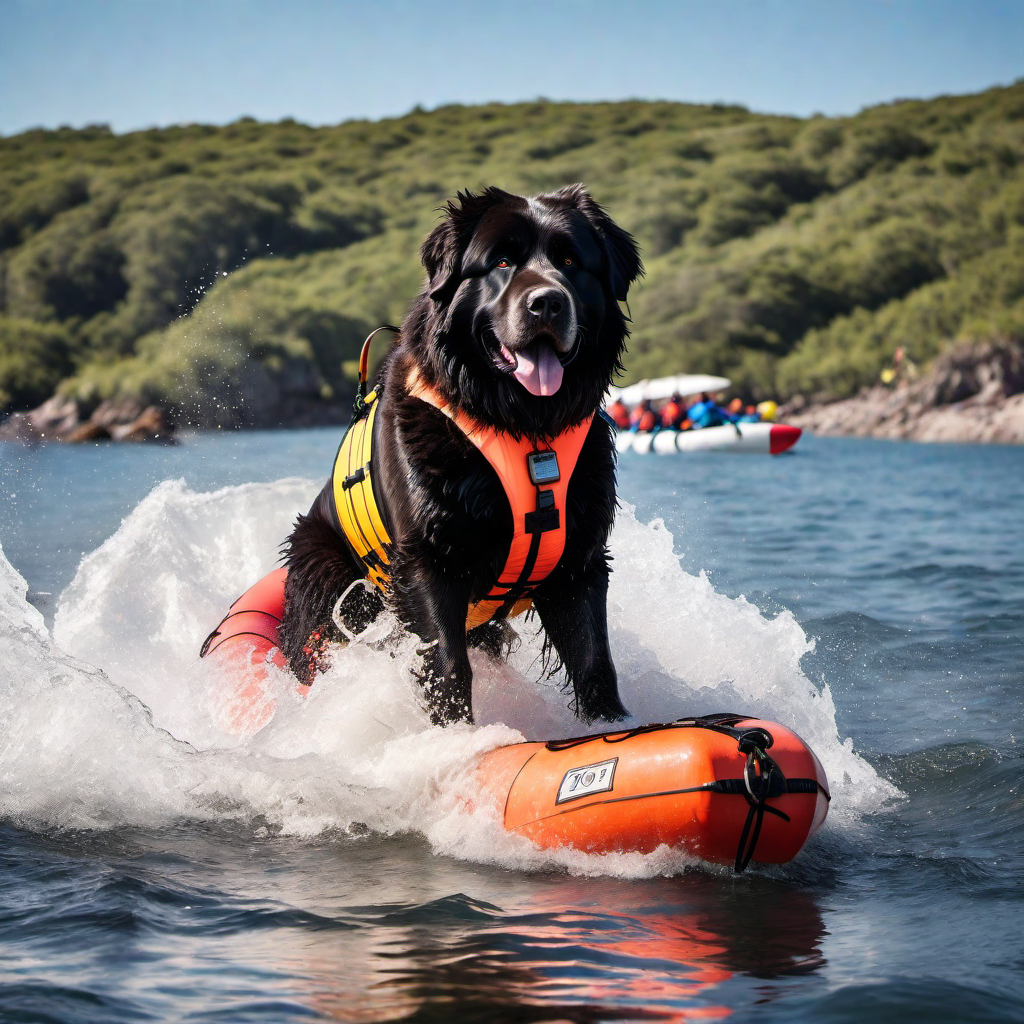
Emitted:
pixel 519 323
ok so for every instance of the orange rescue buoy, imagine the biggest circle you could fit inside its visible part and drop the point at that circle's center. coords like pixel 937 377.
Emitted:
pixel 707 784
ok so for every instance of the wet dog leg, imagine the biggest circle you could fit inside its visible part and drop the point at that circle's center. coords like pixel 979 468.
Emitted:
pixel 573 612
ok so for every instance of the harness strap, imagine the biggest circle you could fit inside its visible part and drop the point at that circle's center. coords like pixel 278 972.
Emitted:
pixel 359 405
pixel 538 510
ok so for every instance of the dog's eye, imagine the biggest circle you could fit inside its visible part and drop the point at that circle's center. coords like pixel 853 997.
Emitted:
pixel 503 263
pixel 568 261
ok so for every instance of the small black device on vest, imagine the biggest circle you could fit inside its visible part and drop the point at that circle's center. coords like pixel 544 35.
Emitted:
pixel 543 467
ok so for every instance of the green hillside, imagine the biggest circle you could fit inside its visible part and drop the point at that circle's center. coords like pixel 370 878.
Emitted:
pixel 230 273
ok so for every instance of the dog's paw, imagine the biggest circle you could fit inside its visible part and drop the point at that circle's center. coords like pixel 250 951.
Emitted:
pixel 498 639
pixel 607 707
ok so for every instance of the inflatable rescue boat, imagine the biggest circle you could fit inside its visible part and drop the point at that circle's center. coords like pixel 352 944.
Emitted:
pixel 727 788
pixel 742 438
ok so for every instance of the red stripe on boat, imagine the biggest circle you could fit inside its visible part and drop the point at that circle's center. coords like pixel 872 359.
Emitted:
pixel 783 436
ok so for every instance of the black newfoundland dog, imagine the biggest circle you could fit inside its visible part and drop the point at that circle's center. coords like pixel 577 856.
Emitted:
pixel 518 327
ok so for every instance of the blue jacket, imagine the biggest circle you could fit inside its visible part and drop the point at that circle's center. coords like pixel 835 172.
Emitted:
pixel 705 414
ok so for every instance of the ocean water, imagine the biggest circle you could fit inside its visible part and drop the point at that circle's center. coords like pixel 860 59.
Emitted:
pixel 158 865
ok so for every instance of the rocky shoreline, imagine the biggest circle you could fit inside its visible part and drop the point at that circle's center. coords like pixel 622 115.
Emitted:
pixel 972 394
pixel 61 419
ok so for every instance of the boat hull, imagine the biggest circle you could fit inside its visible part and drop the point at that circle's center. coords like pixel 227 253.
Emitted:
pixel 740 438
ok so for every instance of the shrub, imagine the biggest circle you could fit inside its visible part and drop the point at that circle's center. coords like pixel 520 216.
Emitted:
pixel 33 206
pixel 33 360
pixel 876 147
pixel 71 270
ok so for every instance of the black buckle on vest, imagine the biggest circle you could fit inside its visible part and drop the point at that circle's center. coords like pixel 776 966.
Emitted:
pixel 546 517
pixel 374 561
pixel 354 478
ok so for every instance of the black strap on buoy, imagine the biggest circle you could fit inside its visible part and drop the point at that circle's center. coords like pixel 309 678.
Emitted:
pixel 762 777
pixel 717 723
pixel 758 788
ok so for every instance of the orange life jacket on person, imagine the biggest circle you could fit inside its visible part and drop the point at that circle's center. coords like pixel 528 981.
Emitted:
pixel 672 415
pixel 647 421
pixel 619 414
pixel 535 478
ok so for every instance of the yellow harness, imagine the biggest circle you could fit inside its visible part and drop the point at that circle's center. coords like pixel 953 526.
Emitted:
pixel 535 480
pixel 359 516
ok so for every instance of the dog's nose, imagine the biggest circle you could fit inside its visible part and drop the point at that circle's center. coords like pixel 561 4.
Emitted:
pixel 545 303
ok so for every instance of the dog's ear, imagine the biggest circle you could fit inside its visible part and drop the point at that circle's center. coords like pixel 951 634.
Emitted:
pixel 624 265
pixel 442 251
pixel 440 256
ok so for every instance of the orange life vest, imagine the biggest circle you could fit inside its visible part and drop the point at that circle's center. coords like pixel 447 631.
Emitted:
pixel 619 414
pixel 535 478
pixel 672 415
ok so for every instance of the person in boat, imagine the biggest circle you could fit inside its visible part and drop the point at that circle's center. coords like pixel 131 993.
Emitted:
pixel 618 414
pixel 673 415
pixel 643 419
pixel 706 413
pixel 737 412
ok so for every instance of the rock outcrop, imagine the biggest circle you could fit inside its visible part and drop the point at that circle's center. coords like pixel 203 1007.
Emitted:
pixel 974 393
pixel 61 419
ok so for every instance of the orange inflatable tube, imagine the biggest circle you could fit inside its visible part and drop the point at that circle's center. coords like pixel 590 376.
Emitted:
pixel 254 618
pixel 245 643
pixel 727 788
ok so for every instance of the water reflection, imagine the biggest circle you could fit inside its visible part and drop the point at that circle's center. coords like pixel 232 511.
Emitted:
pixel 570 949
pixel 379 930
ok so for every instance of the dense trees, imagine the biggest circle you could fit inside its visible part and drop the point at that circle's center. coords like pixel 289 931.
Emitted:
pixel 231 272
pixel 33 360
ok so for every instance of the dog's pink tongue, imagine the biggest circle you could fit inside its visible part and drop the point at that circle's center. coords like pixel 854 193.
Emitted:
pixel 538 369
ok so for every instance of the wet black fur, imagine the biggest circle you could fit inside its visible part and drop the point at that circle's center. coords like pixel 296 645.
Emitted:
pixel 568 265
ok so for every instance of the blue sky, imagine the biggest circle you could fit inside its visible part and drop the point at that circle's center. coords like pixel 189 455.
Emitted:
pixel 137 63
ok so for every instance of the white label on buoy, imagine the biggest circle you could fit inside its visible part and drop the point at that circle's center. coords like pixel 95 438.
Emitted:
pixel 591 778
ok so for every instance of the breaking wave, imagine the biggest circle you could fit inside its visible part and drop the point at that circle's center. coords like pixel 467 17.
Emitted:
pixel 113 720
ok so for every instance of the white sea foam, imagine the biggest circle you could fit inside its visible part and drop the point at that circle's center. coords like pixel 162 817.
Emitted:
pixel 115 721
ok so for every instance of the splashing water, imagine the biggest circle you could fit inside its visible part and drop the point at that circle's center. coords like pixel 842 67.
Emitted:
pixel 115 721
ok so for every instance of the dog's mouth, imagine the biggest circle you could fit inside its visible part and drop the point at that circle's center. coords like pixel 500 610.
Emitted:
pixel 537 366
